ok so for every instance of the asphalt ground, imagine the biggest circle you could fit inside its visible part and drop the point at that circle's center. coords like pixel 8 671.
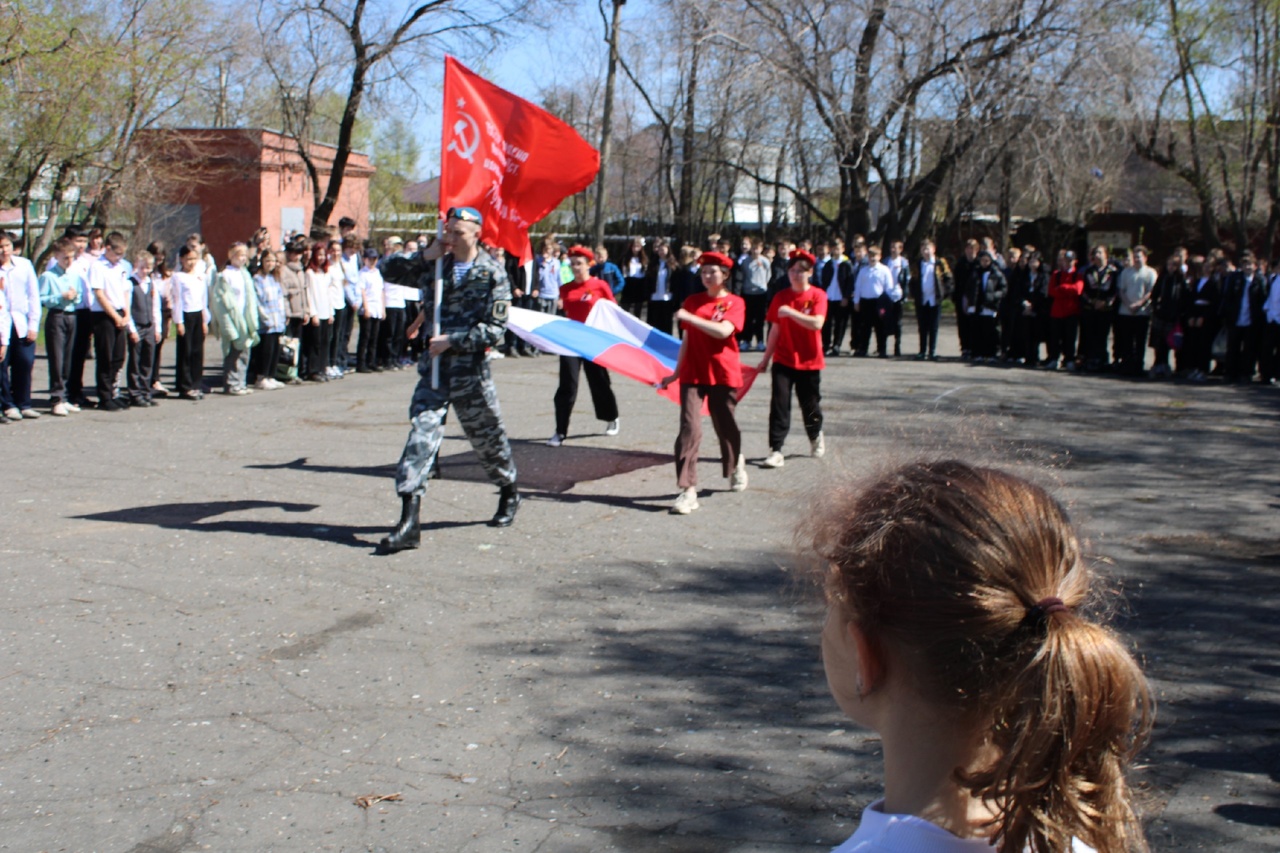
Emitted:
pixel 200 650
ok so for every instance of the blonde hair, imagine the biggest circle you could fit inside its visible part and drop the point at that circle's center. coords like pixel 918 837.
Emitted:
pixel 976 577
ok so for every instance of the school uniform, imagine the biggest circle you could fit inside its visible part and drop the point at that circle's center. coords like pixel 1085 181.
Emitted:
pixel 372 313
pixel 191 309
pixel 1243 315
pixel 874 291
pixel 88 268
pixel 59 327
pixel 110 341
pixel 929 287
pixel 23 288
pixel 1269 356
pixel 144 313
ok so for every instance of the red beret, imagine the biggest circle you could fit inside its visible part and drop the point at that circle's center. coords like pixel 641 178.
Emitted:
pixel 715 259
pixel 801 255
pixel 583 252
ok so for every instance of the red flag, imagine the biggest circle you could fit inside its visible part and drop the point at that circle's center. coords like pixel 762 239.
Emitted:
pixel 511 160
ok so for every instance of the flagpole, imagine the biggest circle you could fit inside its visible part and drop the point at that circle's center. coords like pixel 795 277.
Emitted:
pixel 438 297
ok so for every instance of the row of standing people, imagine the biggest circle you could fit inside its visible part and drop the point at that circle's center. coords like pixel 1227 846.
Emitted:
pixel 95 296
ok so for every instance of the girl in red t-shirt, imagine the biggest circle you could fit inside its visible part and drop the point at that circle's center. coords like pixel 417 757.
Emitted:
pixel 795 317
pixel 576 299
pixel 709 369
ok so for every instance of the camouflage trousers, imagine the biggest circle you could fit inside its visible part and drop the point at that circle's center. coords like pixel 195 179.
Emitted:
pixel 466 384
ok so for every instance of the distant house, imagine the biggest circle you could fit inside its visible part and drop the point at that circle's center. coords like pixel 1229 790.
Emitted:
pixel 226 182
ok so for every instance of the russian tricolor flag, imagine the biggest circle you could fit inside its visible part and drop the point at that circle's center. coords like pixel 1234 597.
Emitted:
pixel 611 338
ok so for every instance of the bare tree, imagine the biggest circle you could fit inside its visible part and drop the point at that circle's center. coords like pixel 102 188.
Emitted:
pixel 352 46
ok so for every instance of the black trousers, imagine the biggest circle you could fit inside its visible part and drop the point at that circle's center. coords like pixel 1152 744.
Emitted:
pixel 367 343
pixel 340 337
pixel 1131 342
pixel 391 337
pixel 868 319
pixel 108 354
pixel 757 306
pixel 265 357
pixel 190 372
pixel 1269 354
pixel 59 338
pixel 315 348
pixel 1032 331
pixel 661 314
pixel 927 325
pixel 986 338
pixel 1062 338
pixel 1095 329
pixel 80 354
pixel 807 387
pixel 1242 351
pixel 142 359
pixel 164 336
pixel 837 324
pixel 1197 342
pixel 606 405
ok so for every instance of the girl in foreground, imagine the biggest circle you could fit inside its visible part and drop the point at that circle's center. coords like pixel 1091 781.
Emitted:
pixel 954 629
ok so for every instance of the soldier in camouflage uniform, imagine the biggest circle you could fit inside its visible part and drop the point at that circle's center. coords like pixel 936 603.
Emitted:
pixel 473 316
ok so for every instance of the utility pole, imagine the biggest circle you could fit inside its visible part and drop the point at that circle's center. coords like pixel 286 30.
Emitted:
pixel 606 127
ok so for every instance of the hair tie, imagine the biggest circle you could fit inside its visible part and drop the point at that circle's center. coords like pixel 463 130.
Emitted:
pixel 1042 608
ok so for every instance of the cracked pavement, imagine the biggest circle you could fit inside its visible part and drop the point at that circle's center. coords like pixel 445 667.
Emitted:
pixel 200 652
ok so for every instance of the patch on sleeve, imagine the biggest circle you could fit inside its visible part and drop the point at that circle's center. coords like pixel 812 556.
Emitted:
pixel 500 311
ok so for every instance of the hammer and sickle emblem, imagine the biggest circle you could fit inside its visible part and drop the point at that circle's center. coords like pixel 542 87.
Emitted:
pixel 466 137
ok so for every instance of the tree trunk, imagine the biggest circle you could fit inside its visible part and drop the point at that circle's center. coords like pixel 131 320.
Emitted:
pixel 684 205
pixel 606 125
pixel 346 130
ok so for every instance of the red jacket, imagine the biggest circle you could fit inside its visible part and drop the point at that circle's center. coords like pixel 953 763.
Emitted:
pixel 1065 287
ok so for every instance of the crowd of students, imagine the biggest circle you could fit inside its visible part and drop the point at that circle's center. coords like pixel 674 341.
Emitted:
pixel 1200 316
pixel 282 317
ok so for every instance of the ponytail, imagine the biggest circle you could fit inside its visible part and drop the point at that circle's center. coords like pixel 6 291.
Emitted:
pixel 1066 729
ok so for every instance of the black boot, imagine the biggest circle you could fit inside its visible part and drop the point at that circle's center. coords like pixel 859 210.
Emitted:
pixel 408 532
pixel 508 503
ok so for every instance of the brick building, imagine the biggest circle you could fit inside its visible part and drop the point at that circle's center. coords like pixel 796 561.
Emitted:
pixel 226 182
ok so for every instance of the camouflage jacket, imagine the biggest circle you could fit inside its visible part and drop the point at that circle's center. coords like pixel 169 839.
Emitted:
pixel 474 313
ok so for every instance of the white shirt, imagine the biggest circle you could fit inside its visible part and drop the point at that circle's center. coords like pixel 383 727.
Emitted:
pixel 901 833
pixel 318 291
pixel 22 287
pixel 115 284
pixel 660 291
pixel 874 280
pixel 337 279
pixel 928 282
pixel 87 268
pixel 6 324
pixel 372 286
pixel 189 294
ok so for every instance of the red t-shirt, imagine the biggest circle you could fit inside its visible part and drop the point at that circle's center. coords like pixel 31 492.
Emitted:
pixel 799 348
pixel 1065 288
pixel 708 360
pixel 578 298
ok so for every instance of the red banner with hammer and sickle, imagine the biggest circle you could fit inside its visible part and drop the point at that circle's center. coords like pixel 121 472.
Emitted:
pixel 510 160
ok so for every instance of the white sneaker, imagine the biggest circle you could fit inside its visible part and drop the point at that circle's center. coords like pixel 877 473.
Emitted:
pixel 738 479
pixel 612 428
pixel 274 384
pixel 556 440
pixel 818 447
pixel 59 410
pixel 686 502
pixel 13 414
pixel 236 392
pixel 262 385
pixel 30 414
pixel 72 407
pixel 775 459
